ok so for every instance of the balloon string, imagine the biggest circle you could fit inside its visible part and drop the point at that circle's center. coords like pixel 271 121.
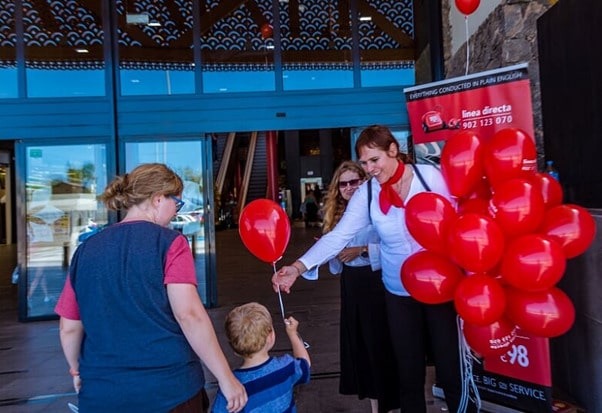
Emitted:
pixel 305 343
pixel 468 384
pixel 279 293
pixel 467 45
pixel 281 305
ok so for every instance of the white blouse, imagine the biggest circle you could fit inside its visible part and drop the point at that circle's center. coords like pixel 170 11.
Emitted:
pixel 396 243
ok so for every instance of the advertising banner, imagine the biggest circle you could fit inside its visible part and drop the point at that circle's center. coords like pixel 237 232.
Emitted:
pixel 482 103
pixel 485 103
pixel 519 378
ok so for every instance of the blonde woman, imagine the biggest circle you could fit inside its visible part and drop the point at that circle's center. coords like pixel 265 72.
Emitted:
pixel 365 345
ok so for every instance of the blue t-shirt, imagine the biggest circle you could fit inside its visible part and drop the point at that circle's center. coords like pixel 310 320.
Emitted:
pixel 269 386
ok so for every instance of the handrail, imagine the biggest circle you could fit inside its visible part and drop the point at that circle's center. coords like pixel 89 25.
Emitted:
pixel 223 167
pixel 244 188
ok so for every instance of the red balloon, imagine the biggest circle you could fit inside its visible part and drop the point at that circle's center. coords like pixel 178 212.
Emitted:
pixel 533 262
pixel 430 278
pixel 266 31
pixel 510 153
pixel 550 188
pixel 571 226
pixel 517 206
pixel 545 313
pixel 492 339
pixel 480 299
pixel 476 205
pixel 475 242
pixel 265 229
pixel 478 200
pixel 428 216
pixel 467 6
pixel 462 162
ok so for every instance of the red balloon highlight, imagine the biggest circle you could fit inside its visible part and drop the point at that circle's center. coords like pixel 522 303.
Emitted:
pixel 462 162
pixel 428 216
pixel 550 188
pixel 533 262
pixel 545 313
pixel 467 7
pixel 571 226
pixel 480 299
pixel 430 278
pixel 491 339
pixel 475 242
pixel 264 229
pixel 517 206
pixel 510 153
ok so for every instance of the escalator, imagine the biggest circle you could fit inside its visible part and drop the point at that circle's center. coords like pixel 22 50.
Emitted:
pixel 240 162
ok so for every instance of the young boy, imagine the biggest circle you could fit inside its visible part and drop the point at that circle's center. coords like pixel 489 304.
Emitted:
pixel 269 381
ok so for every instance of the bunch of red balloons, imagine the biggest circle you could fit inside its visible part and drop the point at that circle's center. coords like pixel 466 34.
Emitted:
pixel 501 252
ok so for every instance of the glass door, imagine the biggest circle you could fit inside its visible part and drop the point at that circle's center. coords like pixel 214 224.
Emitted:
pixel 59 200
pixel 190 159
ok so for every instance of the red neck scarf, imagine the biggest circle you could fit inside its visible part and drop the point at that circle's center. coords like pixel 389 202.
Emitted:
pixel 388 195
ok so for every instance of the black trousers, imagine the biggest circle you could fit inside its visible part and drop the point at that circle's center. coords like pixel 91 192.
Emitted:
pixel 415 328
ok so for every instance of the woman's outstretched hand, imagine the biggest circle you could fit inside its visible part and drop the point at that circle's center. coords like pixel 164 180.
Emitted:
pixel 284 279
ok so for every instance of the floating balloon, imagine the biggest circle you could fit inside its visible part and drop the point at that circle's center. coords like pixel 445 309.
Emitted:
pixel 550 188
pixel 475 242
pixel 428 216
pixel 571 226
pixel 266 31
pixel 517 206
pixel 533 262
pixel 510 153
pixel 462 162
pixel 491 339
pixel 467 7
pixel 546 313
pixel 265 229
pixel 430 278
pixel 480 299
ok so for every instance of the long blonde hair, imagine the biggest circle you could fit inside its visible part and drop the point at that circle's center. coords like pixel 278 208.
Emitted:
pixel 335 204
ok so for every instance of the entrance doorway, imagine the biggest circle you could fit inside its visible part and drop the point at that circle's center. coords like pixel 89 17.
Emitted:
pixel 8 249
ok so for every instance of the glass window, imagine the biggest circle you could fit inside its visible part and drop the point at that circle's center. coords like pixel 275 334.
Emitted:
pixel 8 54
pixel 62 184
pixel 237 47
pixel 316 45
pixel 155 47
pixel 63 49
pixel 386 44
pixel 186 159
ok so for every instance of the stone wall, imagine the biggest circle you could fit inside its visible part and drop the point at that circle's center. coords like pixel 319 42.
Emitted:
pixel 507 37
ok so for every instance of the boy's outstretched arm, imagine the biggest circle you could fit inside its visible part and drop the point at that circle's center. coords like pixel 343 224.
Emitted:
pixel 299 350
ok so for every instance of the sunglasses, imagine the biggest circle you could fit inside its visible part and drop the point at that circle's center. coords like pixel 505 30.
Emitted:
pixel 179 202
pixel 352 182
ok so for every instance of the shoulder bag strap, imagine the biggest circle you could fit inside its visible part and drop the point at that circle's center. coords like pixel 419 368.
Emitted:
pixel 419 175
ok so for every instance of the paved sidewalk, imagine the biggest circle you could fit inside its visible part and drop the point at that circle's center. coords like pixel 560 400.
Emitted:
pixel 33 372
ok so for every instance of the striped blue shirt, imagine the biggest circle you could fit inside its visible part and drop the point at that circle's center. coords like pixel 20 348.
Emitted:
pixel 269 385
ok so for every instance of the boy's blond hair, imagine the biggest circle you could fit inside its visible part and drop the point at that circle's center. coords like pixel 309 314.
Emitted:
pixel 248 327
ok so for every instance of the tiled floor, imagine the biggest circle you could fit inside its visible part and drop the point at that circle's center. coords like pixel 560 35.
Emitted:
pixel 33 373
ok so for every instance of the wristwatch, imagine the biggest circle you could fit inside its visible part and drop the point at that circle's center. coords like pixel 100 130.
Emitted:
pixel 364 253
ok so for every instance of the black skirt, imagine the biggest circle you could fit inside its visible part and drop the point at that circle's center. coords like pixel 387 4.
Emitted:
pixel 366 356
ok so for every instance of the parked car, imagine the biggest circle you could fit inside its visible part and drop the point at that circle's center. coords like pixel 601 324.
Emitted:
pixel 186 224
